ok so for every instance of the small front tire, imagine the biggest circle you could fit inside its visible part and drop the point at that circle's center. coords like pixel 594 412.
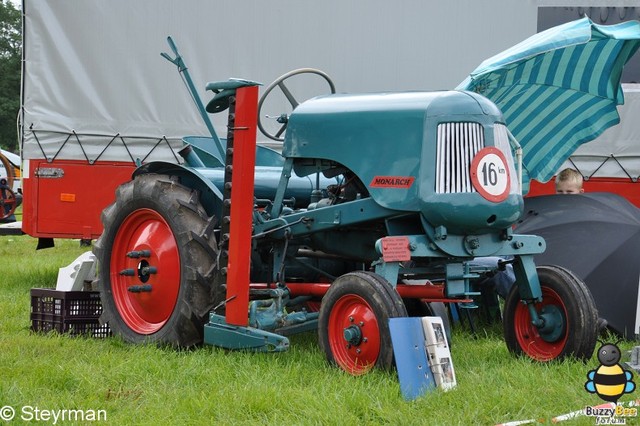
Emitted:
pixel 571 316
pixel 354 322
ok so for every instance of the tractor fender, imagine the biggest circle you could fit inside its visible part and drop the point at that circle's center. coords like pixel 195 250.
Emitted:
pixel 210 195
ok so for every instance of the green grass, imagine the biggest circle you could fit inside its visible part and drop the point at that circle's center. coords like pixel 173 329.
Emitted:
pixel 151 385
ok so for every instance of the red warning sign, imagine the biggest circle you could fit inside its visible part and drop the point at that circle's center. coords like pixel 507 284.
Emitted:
pixel 396 249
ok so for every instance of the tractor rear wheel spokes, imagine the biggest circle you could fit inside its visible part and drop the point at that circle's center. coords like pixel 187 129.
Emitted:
pixel 8 203
pixel 157 258
pixel 569 313
pixel 354 322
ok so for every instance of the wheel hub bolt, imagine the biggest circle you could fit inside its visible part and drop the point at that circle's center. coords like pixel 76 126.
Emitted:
pixel 146 270
pixel 140 253
pixel 145 288
pixel 352 335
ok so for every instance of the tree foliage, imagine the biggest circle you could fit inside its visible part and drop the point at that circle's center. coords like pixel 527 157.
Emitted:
pixel 10 72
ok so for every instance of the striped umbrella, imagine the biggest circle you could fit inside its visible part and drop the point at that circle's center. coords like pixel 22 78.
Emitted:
pixel 558 89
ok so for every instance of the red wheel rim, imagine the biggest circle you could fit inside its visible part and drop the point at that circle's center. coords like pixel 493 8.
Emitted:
pixel 527 334
pixel 145 312
pixel 7 203
pixel 353 311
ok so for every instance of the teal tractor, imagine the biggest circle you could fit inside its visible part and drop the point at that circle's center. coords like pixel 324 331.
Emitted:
pixel 379 206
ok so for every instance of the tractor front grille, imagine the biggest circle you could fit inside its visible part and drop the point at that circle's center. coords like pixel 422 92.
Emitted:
pixel 457 144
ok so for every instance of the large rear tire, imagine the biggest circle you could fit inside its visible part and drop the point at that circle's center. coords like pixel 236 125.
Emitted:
pixel 354 322
pixel 157 263
pixel 571 316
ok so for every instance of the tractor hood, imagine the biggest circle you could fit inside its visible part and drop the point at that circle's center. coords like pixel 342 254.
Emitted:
pixel 414 151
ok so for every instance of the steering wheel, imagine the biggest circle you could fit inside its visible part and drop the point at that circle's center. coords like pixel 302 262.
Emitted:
pixel 8 202
pixel 279 82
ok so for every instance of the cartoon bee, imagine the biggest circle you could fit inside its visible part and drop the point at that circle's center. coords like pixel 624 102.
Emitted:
pixel 610 381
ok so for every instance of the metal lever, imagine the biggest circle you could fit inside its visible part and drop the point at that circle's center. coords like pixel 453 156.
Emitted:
pixel 182 69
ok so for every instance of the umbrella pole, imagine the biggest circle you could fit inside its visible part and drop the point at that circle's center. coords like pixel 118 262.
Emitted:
pixel 518 148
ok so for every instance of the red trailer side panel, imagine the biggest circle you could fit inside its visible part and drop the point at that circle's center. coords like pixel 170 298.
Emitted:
pixel 624 187
pixel 64 198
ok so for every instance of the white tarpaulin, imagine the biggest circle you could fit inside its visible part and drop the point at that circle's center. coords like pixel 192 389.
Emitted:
pixel 94 77
pixel 94 80
pixel 96 87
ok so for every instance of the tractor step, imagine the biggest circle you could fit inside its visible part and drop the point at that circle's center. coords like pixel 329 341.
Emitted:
pixel 218 333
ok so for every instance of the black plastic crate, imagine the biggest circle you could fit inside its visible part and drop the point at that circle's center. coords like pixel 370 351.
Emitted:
pixel 72 312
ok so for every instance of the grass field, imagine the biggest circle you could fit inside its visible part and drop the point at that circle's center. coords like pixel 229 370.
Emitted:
pixel 157 386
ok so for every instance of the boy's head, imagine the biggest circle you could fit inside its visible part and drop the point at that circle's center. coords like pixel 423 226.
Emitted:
pixel 569 181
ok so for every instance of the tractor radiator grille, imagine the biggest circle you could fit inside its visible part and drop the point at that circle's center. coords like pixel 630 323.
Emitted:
pixel 458 143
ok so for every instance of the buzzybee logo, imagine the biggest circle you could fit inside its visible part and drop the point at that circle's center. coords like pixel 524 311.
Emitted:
pixel 609 381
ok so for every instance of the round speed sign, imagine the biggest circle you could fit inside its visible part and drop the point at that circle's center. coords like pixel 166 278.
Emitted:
pixel 490 174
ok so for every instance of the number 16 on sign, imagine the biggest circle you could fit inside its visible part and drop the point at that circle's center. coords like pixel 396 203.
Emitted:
pixel 490 174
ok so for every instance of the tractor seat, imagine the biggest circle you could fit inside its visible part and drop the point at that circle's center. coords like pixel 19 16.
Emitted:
pixel 223 90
